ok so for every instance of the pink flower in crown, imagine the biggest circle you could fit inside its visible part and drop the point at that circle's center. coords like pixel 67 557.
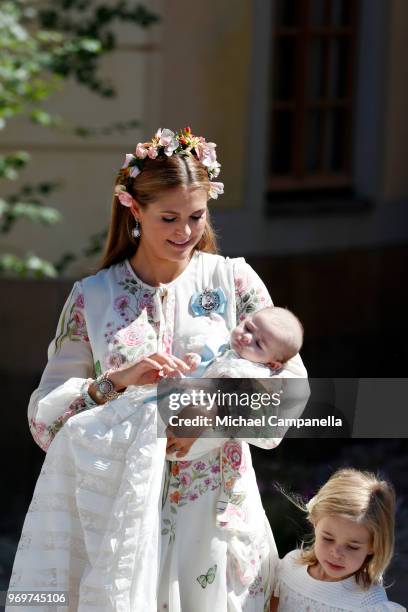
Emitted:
pixel 241 285
pixel 123 196
pixel 152 153
pixel 233 452
pixel 79 302
pixel 133 337
pixel 206 153
pixel 125 199
pixel 215 190
pixel 141 150
pixel 183 465
pixel 121 303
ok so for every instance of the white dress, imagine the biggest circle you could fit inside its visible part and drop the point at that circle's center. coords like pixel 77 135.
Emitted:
pixel 86 530
pixel 300 592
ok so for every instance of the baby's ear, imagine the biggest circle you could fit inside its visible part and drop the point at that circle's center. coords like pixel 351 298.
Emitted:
pixel 275 365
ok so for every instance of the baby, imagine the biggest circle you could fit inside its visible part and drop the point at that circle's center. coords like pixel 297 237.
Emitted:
pixel 258 347
pixel 268 337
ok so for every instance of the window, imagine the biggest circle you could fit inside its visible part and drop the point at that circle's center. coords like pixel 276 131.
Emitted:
pixel 314 61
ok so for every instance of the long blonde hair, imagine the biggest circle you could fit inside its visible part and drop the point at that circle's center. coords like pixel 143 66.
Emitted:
pixel 158 175
pixel 367 500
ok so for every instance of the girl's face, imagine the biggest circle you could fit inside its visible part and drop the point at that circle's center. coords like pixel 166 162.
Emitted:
pixel 341 546
pixel 173 224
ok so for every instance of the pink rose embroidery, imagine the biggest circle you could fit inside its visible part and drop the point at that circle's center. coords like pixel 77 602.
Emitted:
pixel 133 337
pixel 233 452
pixel 241 285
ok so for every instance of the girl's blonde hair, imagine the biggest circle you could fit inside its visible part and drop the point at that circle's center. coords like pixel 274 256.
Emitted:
pixel 367 500
pixel 158 175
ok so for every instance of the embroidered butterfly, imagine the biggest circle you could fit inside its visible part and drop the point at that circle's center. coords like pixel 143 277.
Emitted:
pixel 207 578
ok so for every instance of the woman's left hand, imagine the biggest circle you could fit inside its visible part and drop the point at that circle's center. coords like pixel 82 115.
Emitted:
pixel 180 446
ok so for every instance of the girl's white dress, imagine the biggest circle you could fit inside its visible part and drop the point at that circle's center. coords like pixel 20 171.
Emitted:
pixel 102 524
pixel 299 592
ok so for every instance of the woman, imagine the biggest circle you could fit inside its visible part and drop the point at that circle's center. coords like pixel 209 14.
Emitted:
pixel 128 326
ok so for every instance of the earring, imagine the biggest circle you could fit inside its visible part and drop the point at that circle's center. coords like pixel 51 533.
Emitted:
pixel 136 230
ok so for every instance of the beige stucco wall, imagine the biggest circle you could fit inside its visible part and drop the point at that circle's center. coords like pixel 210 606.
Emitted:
pixel 206 76
pixel 396 124
pixel 191 69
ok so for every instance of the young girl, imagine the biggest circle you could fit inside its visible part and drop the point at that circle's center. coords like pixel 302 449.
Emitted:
pixel 353 520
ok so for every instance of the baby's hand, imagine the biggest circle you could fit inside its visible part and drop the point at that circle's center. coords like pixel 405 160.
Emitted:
pixel 193 360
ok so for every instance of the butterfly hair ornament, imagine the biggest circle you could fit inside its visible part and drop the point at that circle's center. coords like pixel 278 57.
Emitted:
pixel 167 143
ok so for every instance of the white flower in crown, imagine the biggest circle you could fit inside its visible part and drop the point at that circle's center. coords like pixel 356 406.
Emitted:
pixel 214 170
pixel 167 139
pixel 141 150
pixel 216 189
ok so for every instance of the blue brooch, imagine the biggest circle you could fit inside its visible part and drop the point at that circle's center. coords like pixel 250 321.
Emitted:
pixel 210 300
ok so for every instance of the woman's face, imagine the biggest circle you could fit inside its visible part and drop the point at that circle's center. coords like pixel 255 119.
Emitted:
pixel 173 224
pixel 341 546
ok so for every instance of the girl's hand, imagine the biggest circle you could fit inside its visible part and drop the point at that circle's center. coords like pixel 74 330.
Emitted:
pixel 148 370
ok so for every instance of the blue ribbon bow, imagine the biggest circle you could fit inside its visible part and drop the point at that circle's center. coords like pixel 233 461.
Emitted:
pixel 210 300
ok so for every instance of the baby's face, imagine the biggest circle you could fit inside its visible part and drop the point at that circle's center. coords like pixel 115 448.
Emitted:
pixel 254 339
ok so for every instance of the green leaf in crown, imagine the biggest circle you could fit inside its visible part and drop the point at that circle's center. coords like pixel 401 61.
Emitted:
pixel 207 578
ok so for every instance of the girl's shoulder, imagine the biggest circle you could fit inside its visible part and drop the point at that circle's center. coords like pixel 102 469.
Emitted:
pixel 375 599
pixel 293 557
pixel 295 575
pixel 290 565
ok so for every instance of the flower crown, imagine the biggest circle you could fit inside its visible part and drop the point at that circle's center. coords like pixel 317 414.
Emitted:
pixel 166 142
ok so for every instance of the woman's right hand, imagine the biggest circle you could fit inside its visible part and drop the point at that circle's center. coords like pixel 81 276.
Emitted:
pixel 148 370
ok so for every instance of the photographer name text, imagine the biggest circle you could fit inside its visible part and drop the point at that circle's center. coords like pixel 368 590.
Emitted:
pixel 261 421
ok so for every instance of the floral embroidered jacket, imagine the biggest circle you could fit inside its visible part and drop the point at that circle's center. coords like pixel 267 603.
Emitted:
pixel 112 318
